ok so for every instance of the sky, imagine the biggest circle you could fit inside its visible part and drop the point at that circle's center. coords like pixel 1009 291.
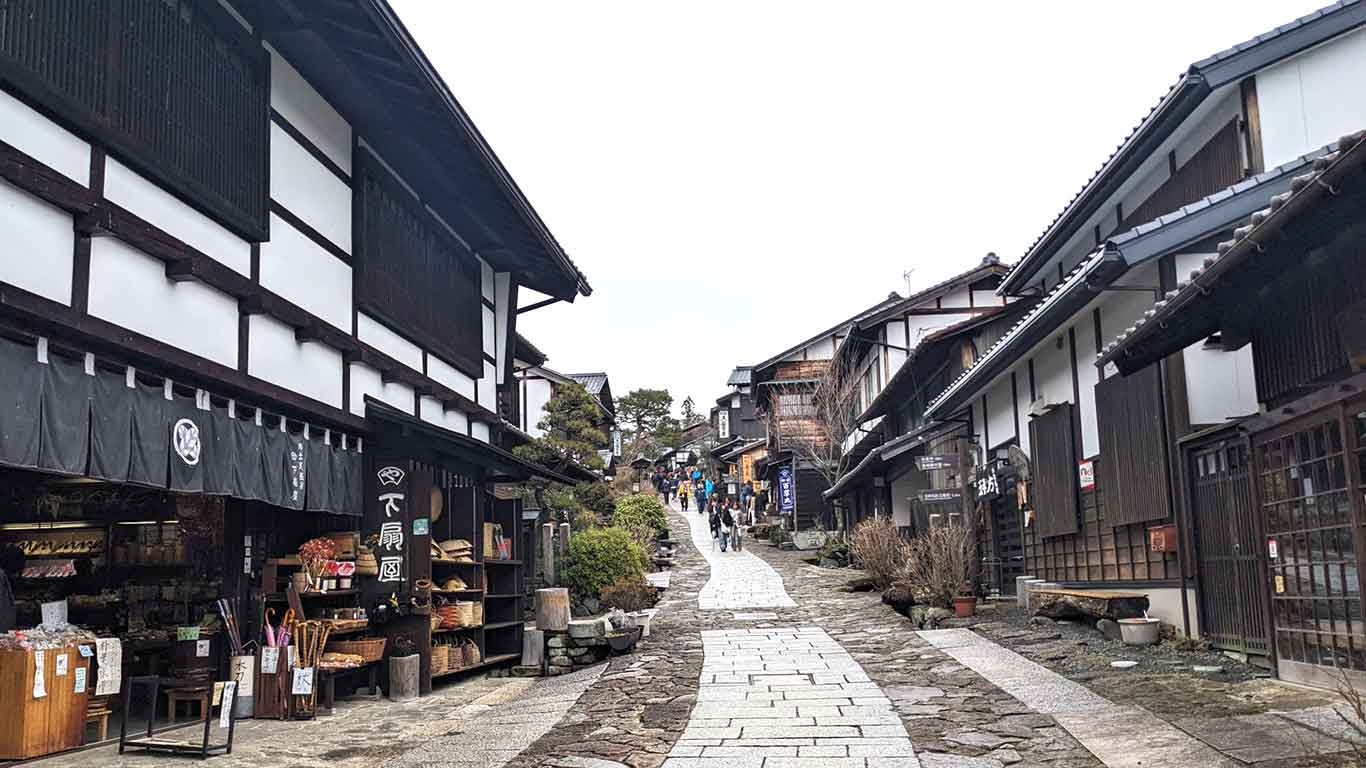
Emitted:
pixel 735 177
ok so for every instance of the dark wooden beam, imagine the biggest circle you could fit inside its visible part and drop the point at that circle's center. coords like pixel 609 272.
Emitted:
pixel 43 182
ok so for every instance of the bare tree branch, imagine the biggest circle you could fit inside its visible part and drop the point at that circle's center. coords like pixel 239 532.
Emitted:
pixel 813 419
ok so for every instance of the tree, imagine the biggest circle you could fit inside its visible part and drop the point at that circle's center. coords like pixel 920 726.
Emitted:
pixel 813 422
pixel 569 432
pixel 689 410
pixel 644 409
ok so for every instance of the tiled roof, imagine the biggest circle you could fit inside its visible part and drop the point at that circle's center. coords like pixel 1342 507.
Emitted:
pixel 1349 152
pixel 891 299
pixel 1192 87
pixel 742 376
pixel 592 382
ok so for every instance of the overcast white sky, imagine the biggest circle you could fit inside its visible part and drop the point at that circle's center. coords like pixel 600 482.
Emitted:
pixel 734 177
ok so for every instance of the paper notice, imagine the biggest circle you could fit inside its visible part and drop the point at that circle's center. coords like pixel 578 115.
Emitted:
pixel 243 670
pixel 39 672
pixel 217 693
pixel 225 713
pixel 109 653
pixel 63 664
pixel 54 614
pixel 303 681
pixel 80 679
pixel 201 648
pixel 86 651
pixel 270 659
pixel 187 633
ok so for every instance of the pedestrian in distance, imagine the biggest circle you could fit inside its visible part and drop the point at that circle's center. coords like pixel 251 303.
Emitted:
pixel 727 524
pixel 684 491
pixel 714 522
pixel 737 516
pixel 699 492
pixel 673 485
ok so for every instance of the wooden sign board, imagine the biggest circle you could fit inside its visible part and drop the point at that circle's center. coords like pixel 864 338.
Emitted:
pixel 937 461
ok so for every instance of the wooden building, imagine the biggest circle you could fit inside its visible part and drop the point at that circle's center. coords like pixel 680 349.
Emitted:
pixel 1101 451
pixel 267 254
pixel 537 384
pixel 1273 531
pixel 735 414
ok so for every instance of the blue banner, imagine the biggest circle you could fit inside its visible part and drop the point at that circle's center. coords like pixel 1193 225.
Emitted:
pixel 787 490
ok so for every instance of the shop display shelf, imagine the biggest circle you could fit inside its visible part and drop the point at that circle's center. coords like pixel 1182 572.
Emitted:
pixel 502 624
pixel 452 563
pixel 457 591
pixel 502 597
pixel 502 562
pixel 280 596
pixel 456 629
pixel 489 662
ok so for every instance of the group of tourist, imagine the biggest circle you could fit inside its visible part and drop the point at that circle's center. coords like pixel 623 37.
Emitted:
pixel 727 516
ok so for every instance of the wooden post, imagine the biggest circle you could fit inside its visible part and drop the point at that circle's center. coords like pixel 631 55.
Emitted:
pixel 552 609
pixel 548 552
pixel 564 540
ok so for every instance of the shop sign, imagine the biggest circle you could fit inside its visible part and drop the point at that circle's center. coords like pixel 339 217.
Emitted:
pixel 1086 472
pixel 933 495
pixel 391 501
pixel 1273 549
pixel 987 484
pixel 930 463
pixel 787 490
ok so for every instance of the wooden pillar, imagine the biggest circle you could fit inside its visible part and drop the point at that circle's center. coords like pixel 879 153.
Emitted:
pixel 564 540
pixel 548 553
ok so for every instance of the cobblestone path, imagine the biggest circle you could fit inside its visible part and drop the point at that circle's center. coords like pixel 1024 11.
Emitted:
pixel 738 579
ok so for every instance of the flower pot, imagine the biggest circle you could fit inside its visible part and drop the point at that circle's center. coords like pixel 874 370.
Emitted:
pixel 1139 631
pixel 624 640
pixel 300 581
pixel 964 606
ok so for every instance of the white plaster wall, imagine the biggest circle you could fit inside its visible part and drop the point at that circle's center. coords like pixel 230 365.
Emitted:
pixel 538 393
pixel 445 374
pixel 924 325
pixel 479 431
pixel 129 288
pixel 377 335
pixel 1022 394
pixel 431 411
pixel 306 110
pixel 38 137
pixel 308 190
pixel 486 282
pixel 903 488
pixel 38 245
pixel 1220 384
pixel 367 381
pixel 1000 412
pixel 309 368
pixel 1087 376
pixel 457 421
pixel 896 337
pixel 956 298
pixel 488 388
pixel 401 396
pixel 501 302
pixel 490 324
pixel 1053 370
pixel 1312 99
pixel 163 210
pixel 987 298
pixel 300 270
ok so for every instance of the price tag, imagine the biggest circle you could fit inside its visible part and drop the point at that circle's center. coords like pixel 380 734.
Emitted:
pixel 303 681
pixel 270 659
pixel 225 714
pixel 85 651
pixel 187 633
pixel 63 664
pixel 80 679
pixel 39 672
pixel 201 648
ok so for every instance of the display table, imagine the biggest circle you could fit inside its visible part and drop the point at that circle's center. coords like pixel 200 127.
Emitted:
pixel 34 726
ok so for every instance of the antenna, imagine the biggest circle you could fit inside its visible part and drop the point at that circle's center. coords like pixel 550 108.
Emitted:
pixel 907 277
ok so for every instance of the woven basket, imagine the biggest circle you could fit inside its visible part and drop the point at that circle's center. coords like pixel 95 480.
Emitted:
pixel 436 620
pixel 464 611
pixel 440 658
pixel 477 614
pixel 470 650
pixel 369 648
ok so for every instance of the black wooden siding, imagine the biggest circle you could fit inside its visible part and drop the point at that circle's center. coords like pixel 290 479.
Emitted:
pixel 1129 417
pixel 412 273
pixel 1215 166
pixel 1054 486
pixel 174 88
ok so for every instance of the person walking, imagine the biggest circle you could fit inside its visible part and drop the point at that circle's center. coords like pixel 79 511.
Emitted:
pixel 673 485
pixel 684 491
pixel 747 494
pixel 727 524
pixel 714 522
pixel 699 492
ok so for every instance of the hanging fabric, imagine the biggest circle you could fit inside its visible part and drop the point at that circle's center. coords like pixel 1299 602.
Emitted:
pixel 274 446
pixel 151 437
pixel 220 454
pixel 111 426
pixel 185 425
pixel 319 485
pixel 248 442
pixel 21 389
pixel 67 390
pixel 296 470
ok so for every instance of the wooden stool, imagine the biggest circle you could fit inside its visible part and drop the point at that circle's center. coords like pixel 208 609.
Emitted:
pixel 176 695
pixel 102 717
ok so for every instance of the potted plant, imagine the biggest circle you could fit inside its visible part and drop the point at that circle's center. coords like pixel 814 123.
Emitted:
pixel 965 602
pixel 314 555
pixel 404 669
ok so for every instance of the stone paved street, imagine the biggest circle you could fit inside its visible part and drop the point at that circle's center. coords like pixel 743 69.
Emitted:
pixel 738 579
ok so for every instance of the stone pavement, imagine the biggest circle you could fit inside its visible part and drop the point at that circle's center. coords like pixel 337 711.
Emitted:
pixel 738 579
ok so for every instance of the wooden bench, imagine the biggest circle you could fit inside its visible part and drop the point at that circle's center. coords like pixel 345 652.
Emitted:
pixel 198 694
pixel 1091 604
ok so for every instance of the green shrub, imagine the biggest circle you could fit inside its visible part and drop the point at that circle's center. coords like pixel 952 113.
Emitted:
pixel 630 593
pixel 596 497
pixel 600 556
pixel 640 510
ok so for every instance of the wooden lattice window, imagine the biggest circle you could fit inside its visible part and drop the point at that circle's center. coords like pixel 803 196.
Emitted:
pixel 1133 447
pixel 1053 439
pixel 414 275
pixel 175 88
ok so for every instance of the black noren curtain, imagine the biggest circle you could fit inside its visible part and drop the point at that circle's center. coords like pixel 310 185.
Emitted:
pixel 319 481
pixel 188 429
pixel 21 390
pixel 220 455
pixel 151 437
pixel 111 427
pixel 249 440
pixel 67 391
pixel 347 482
pixel 274 446
pixel 296 470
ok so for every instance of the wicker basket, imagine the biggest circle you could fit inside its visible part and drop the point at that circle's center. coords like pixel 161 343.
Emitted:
pixel 436 620
pixel 440 658
pixel 470 651
pixel 477 612
pixel 464 611
pixel 369 648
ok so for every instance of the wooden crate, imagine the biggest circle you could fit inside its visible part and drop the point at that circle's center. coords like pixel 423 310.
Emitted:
pixel 32 727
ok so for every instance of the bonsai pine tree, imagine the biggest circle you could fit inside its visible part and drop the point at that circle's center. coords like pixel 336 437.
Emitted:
pixel 569 432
